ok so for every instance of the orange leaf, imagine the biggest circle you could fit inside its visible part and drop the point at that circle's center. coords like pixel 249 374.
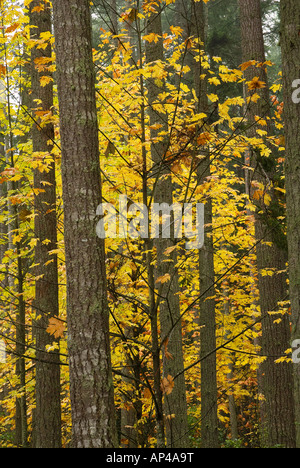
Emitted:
pixel 257 195
pixel 255 83
pixel 246 65
pixel 56 327
pixel 163 279
pixel 2 70
pixel 12 28
pixel 167 385
pixel 38 9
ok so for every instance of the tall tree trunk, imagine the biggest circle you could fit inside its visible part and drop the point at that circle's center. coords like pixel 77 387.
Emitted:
pixel 48 407
pixel 193 20
pixel 21 431
pixel 91 385
pixel 277 382
pixel 290 42
pixel 175 406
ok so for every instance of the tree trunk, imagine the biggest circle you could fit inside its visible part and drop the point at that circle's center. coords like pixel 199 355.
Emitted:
pixel 279 428
pixel 194 18
pixel 175 406
pixel 47 424
pixel 91 384
pixel 290 42
pixel 21 430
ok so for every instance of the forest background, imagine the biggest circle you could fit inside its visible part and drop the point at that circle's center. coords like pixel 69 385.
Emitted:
pixel 194 347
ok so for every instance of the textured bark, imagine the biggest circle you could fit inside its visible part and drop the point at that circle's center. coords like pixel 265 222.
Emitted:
pixel 91 384
pixel 193 21
pixel 169 308
pixel 16 284
pixel 278 426
pixel 47 424
pixel 290 41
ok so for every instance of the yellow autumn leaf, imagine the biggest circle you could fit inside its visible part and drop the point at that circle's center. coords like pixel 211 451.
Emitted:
pixel 213 97
pixel 214 80
pixel 176 30
pixel 38 9
pixel 17 239
pixel 248 64
pixel 163 279
pixel 152 37
pixel 258 194
pixel 44 80
pixel 267 199
pixel 254 98
pixel 283 359
pixel 53 347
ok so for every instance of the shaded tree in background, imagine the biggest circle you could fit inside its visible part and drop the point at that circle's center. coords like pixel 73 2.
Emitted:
pixel 290 41
pixel 276 378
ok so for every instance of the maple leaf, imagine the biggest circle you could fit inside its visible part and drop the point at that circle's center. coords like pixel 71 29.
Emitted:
pixel 255 83
pixel 38 8
pixel 167 385
pixel 2 70
pixel 246 65
pixel 163 279
pixel 130 15
pixel 56 327
pixel 176 30
pixel 44 80
pixel 12 28
pixel 152 37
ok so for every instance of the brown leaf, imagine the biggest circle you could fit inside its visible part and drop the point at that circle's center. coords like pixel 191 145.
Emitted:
pixel 56 327
pixel 167 354
pixel 167 385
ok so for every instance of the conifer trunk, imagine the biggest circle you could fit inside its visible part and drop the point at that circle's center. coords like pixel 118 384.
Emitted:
pixel 290 42
pixel 47 423
pixel 91 385
pixel 175 405
pixel 192 19
pixel 209 390
pixel 276 379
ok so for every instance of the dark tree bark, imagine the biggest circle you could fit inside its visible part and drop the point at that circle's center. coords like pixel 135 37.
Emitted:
pixel 192 19
pixel 175 405
pixel 290 42
pixel 17 284
pixel 91 384
pixel 278 426
pixel 47 423
pixel 209 389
